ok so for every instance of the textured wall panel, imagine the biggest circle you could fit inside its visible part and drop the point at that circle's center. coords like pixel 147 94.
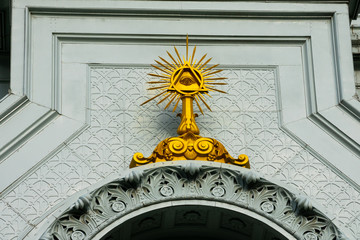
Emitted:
pixel 245 120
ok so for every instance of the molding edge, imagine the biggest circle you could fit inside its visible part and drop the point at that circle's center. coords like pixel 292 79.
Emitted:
pixel 242 188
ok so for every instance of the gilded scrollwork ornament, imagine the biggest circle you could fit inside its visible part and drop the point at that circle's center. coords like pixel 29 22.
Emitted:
pixel 187 80
pixel 189 147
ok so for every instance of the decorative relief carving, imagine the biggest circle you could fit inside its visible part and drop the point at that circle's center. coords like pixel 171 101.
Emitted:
pixel 246 119
pixel 235 224
pixel 192 147
pixel 191 217
pixel 166 191
pixel 218 191
pixel 264 198
pixel 11 224
pixel 118 206
pixel 267 206
pixel 77 235
pixel 147 223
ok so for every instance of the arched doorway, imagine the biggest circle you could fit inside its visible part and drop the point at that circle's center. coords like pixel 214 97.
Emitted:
pixel 192 220
pixel 226 200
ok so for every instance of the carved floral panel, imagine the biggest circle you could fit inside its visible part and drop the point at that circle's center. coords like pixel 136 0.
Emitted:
pixel 245 120
pixel 187 182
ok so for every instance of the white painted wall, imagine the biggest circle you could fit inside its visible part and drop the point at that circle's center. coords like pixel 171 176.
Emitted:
pixel 78 76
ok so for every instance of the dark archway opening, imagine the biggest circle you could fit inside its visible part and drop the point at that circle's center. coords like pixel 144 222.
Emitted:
pixel 193 222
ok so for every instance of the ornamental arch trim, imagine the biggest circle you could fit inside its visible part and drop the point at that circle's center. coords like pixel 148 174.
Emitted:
pixel 212 184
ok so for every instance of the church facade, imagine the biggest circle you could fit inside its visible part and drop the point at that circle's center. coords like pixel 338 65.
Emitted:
pixel 81 158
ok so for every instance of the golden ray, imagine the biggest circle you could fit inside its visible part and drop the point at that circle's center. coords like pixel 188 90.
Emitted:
pixel 201 96
pixel 215 79
pixel 156 75
pixel 177 102
pixel 207 94
pixel 215 84
pixel 208 69
pixel 204 64
pixel 158 82
pixel 187 47
pixel 209 81
pixel 164 66
pixel 175 63
pixel 217 90
pixel 177 53
pixel 204 101
pixel 153 97
pixel 197 103
pixel 172 99
pixel 170 65
pixel 214 72
pixel 193 55
pixel 163 70
pixel 168 95
pixel 200 61
pixel 160 87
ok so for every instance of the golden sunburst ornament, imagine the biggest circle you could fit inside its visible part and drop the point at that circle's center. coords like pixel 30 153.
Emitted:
pixel 185 77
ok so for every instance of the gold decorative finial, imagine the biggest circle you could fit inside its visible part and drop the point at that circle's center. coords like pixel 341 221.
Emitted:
pixel 187 80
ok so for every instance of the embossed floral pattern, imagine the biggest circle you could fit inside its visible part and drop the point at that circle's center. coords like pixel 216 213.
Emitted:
pixel 264 198
pixel 245 120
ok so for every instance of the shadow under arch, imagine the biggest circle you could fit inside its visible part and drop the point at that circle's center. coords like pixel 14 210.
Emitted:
pixel 193 219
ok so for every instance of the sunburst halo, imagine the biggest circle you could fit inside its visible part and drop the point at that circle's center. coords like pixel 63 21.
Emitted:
pixel 185 77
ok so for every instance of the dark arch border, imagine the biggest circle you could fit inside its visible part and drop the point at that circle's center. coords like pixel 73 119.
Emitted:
pixel 190 206
pixel 190 180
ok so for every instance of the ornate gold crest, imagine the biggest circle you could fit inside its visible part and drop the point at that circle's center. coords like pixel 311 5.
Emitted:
pixel 187 79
